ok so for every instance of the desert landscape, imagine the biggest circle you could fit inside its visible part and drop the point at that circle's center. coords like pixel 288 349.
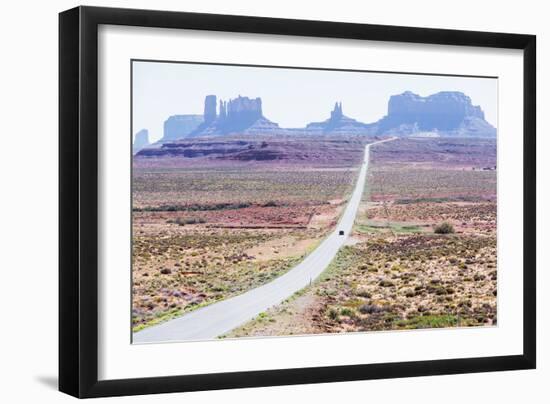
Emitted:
pixel 244 228
pixel 212 230
pixel 423 250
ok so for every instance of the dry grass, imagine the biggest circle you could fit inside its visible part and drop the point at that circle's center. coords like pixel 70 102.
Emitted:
pixel 398 273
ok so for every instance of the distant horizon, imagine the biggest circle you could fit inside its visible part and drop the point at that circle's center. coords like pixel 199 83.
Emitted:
pixel 161 90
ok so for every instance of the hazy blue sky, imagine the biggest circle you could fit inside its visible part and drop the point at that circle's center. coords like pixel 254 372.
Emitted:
pixel 290 97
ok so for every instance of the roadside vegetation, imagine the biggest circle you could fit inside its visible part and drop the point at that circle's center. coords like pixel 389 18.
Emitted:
pixel 212 230
pixel 423 252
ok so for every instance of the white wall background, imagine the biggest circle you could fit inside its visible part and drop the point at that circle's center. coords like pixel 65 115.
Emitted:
pixel 28 199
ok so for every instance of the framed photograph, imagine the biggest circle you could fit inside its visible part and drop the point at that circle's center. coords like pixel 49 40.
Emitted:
pixel 252 201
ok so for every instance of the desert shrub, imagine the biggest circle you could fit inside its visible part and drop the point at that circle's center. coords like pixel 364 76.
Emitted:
pixel 333 314
pixel 396 267
pixel 444 228
pixel 270 204
pixel 371 309
pixel 182 221
pixel 430 321
pixel 364 293
pixel 386 283
pixel 347 312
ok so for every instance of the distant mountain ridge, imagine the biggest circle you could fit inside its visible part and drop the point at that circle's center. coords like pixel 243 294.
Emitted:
pixel 338 123
pixel 179 126
pixel 446 113
pixel 141 140
pixel 240 115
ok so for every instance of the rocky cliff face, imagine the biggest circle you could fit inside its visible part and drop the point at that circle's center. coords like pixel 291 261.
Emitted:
pixel 447 113
pixel 141 140
pixel 241 115
pixel 333 151
pixel 338 123
pixel 179 126
pixel 209 109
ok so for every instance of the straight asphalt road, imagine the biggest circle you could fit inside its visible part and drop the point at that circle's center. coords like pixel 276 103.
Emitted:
pixel 217 319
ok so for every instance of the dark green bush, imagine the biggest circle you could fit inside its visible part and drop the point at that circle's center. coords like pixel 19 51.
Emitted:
pixel 444 228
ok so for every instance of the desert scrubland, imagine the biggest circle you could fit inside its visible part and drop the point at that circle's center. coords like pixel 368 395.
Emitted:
pixel 423 250
pixel 213 226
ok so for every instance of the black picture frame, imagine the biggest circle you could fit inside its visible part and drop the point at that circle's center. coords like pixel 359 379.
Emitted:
pixel 78 200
